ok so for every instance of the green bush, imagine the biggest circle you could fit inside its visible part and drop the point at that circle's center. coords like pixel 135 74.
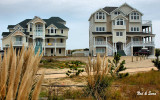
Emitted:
pixel 156 61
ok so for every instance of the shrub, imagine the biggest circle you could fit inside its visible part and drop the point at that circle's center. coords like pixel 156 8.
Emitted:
pixel 116 65
pixel 98 81
pixel 156 61
pixel 74 71
pixel 18 75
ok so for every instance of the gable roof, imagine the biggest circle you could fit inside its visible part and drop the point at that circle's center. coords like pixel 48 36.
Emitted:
pixel 52 20
pixel 109 9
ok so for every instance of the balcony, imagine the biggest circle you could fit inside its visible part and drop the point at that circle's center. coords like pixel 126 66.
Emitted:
pixel 146 22
pixel 119 26
pixel 51 45
pixel 100 43
pixel 18 43
pixel 142 43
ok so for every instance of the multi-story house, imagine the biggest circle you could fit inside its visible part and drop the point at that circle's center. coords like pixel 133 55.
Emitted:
pixel 49 35
pixel 119 29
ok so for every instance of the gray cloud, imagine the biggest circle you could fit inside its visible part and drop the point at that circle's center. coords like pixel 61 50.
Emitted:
pixel 75 12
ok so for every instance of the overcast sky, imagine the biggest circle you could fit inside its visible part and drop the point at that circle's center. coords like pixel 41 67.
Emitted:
pixel 75 12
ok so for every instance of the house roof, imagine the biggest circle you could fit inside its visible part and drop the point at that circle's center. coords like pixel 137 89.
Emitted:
pixel 102 33
pixel 57 21
pixel 53 20
pixel 7 33
pixel 11 26
pixel 109 9
pixel 139 33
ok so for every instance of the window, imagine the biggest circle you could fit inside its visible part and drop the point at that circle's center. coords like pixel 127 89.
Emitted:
pixel 131 29
pixel 30 27
pixel 119 33
pixel 117 13
pixel 100 29
pixel 61 40
pixel 100 15
pixel 47 40
pixel 52 29
pixel 59 51
pixel 135 16
pixel 134 29
pixel 135 39
pixel 100 50
pixel 61 31
pixel 55 30
pixel 18 38
pixel 48 30
pixel 26 39
pixel 120 22
pixel 99 39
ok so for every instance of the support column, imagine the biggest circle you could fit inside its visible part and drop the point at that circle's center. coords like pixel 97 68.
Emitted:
pixel 144 40
pixel 106 47
pixel 65 51
pixel 148 29
pixel 131 41
pixel 131 51
pixel 55 48
pixel 94 41
pixel 113 48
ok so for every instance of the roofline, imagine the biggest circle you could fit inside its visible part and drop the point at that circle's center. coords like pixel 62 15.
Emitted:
pixel 12 34
pixel 97 11
pixel 34 18
pixel 118 16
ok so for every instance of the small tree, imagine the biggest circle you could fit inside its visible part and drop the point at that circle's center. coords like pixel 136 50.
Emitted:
pixel 156 61
pixel 114 64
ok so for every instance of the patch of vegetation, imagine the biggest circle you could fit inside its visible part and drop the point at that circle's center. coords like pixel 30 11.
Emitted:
pixel 156 61
pixel 52 63
pixel 74 70
pixel 116 64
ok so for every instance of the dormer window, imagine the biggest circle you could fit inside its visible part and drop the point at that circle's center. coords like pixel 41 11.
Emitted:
pixel 30 27
pixel 117 13
pixel 119 21
pixel 135 16
pixel 52 30
pixel 100 15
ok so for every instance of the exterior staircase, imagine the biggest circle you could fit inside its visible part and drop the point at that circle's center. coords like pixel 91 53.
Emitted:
pixel 37 48
pixel 121 52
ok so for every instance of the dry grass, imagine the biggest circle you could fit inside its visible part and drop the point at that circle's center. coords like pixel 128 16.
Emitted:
pixel 18 80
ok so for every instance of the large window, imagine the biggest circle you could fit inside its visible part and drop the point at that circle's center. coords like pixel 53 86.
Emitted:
pixel 135 39
pixel 135 16
pixel 99 39
pixel 30 27
pixel 120 21
pixel 100 15
pixel 18 38
pixel 52 30
pixel 100 50
pixel 100 29
pixel 119 33
pixel 117 13
pixel 134 29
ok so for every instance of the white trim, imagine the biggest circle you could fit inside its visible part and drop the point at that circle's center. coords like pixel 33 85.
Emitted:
pixel 18 26
pixel 51 26
pixel 96 12
pixel 135 10
pixel 120 16
pixel 12 34
pixel 31 21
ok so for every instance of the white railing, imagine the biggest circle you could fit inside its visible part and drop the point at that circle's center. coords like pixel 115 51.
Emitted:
pixel 110 49
pixel 142 43
pixel 100 42
pixel 145 22
pixel 56 44
pixel 50 44
pixel 18 43
pixel 60 44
